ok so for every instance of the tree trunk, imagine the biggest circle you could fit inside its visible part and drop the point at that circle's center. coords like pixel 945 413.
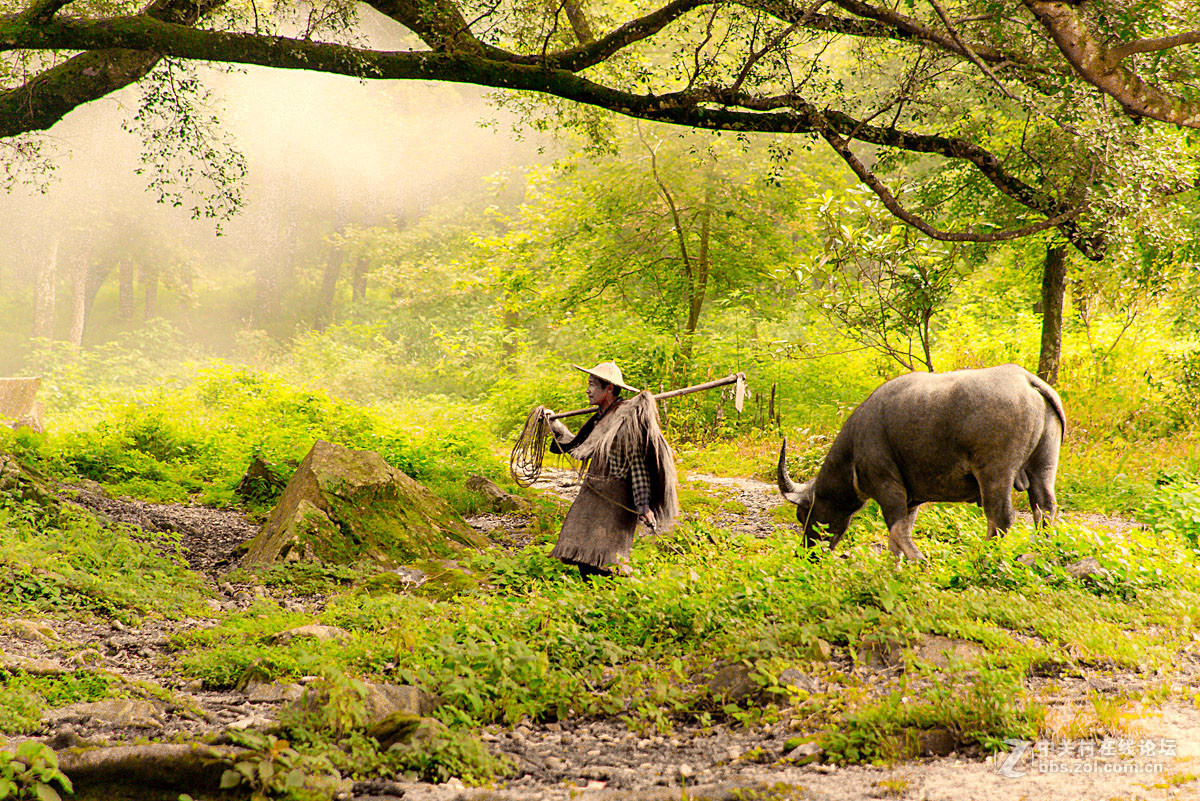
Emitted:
pixel 79 300
pixel 699 277
pixel 579 21
pixel 149 276
pixel 358 285
pixel 1054 289
pixel 43 307
pixel 125 291
pixel 266 291
pixel 329 279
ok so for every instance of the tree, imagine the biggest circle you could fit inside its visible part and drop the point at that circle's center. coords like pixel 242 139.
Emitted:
pixel 880 282
pixel 868 80
pixel 661 231
pixel 1054 289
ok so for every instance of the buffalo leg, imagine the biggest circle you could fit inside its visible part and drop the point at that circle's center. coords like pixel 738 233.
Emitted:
pixel 900 529
pixel 997 499
pixel 1042 468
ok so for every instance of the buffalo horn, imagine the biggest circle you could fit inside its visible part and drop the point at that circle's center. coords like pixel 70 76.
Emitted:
pixel 787 487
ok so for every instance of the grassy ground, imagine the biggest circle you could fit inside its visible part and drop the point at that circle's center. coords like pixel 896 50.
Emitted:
pixel 526 640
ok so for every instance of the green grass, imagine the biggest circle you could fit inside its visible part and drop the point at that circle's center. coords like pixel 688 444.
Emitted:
pixel 194 441
pixel 24 697
pixel 526 639
pixel 72 564
pixel 536 642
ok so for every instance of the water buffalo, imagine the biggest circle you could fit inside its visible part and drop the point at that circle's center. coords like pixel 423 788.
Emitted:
pixel 967 436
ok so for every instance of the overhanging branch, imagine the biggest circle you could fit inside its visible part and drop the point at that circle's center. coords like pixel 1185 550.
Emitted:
pixel 45 9
pixel 706 108
pixel 1121 52
pixel 842 148
pixel 1101 66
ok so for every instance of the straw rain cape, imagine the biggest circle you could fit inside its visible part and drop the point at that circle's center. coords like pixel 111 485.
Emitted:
pixel 600 525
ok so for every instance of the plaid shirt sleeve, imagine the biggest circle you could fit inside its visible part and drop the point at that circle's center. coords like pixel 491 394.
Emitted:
pixel 640 479
pixel 632 465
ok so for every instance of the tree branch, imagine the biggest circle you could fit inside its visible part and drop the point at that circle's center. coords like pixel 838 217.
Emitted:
pixel 50 95
pixel 968 51
pixel 704 108
pixel 43 10
pixel 439 23
pixel 842 148
pixel 1121 52
pixel 1101 67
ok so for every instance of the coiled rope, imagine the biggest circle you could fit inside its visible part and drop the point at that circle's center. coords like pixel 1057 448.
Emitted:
pixel 525 462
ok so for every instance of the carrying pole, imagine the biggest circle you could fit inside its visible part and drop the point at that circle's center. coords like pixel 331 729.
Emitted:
pixel 736 378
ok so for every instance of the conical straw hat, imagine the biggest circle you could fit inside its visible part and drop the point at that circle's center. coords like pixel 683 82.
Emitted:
pixel 607 371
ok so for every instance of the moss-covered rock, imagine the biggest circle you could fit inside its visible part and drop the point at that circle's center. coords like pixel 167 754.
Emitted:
pixel 22 485
pixel 344 505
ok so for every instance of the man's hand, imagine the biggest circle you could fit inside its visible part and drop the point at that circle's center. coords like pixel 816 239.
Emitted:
pixel 648 518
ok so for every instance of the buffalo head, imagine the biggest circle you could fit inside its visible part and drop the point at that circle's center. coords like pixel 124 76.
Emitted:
pixel 822 521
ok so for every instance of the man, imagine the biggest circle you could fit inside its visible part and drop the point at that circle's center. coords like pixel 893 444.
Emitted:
pixel 630 475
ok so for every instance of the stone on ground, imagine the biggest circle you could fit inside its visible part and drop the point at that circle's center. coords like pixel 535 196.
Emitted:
pixel 18 404
pixel 344 505
pixel 498 500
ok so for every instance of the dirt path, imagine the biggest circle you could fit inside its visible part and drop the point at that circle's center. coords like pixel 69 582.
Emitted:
pixel 601 760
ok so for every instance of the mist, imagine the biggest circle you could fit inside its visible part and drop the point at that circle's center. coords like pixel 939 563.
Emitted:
pixel 322 153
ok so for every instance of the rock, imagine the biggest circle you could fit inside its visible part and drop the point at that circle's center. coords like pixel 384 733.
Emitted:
pixel 263 693
pixel 938 650
pixel 791 677
pixel 732 683
pixel 25 484
pixel 66 737
pixel 398 727
pixel 18 404
pixel 498 499
pixel 378 787
pixel 344 505
pixel 189 767
pixel 260 482
pixel 804 753
pixel 400 579
pixel 32 631
pixel 322 633
pixel 34 667
pixel 111 712
pixel 387 699
pixel 820 651
pixel 1027 559
pixel 1088 566
pixel 936 742
pixel 382 702
pixel 433 578
pixel 254 721
pixel 87 657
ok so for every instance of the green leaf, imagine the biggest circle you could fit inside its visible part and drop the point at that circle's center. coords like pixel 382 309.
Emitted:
pixel 32 751
pixel 230 779
pixel 45 792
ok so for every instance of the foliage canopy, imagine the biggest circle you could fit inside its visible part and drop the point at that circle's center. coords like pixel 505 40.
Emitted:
pixel 1031 107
